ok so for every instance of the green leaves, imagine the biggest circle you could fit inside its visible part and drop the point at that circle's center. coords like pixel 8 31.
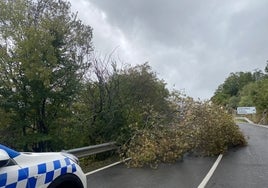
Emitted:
pixel 227 93
pixel 45 51
pixel 213 130
pixel 205 130
pixel 119 98
pixel 244 89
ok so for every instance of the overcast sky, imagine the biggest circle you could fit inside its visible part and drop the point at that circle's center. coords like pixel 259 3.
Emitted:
pixel 192 45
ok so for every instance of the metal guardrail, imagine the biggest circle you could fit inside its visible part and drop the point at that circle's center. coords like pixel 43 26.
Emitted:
pixel 91 150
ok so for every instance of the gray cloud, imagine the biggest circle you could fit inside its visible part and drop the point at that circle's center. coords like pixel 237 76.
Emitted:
pixel 191 44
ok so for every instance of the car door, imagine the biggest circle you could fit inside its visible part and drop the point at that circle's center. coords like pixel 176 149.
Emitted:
pixel 11 175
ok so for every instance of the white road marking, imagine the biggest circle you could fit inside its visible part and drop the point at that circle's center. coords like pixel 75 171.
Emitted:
pixel 108 166
pixel 258 125
pixel 210 173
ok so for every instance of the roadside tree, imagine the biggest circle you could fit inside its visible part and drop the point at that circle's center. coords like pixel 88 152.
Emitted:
pixel 44 52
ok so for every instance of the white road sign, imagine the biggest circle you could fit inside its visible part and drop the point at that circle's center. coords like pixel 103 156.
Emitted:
pixel 246 110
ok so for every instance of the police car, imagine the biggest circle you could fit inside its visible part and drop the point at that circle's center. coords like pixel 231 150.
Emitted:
pixel 30 170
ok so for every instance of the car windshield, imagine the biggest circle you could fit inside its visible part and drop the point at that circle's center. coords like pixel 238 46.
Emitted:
pixel 10 152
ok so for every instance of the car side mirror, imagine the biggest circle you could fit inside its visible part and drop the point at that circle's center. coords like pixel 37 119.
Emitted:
pixel 4 158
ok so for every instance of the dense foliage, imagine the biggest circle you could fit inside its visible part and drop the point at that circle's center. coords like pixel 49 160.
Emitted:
pixel 205 130
pixel 244 89
pixel 118 98
pixel 44 51
pixel 211 130
pixel 55 94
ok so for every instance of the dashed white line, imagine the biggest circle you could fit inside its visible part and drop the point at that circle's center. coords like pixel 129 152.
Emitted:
pixel 210 173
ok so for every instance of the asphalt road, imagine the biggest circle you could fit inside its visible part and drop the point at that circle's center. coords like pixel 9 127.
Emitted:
pixel 245 167
pixel 188 173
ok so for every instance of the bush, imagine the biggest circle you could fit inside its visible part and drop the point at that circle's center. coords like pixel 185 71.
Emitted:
pixel 152 146
pixel 211 130
pixel 205 130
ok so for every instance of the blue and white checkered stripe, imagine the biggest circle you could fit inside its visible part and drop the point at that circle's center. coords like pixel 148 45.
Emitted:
pixel 41 174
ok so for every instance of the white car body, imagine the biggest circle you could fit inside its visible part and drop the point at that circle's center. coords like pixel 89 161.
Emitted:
pixel 30 170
